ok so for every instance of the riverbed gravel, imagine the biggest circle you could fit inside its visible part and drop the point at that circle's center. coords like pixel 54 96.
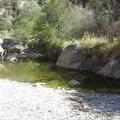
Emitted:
pixel 27 101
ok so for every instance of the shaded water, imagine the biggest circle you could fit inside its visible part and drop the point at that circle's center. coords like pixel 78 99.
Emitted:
pixel 58 77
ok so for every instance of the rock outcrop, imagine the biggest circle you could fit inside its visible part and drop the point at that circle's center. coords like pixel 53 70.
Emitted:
pixel 12 46
pixel 16 52
pixel 70 58
pixel 73 58
pixel 111 69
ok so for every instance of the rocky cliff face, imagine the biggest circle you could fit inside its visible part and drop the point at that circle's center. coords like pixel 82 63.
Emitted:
pixel 12 50
pixel 73 58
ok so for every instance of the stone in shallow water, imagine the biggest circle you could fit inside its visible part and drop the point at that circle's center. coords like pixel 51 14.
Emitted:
pixel 74 83
pixel 1 66
pixel 38 84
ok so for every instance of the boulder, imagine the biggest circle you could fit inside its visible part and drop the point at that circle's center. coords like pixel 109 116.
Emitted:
pixel 111 69
pixel 12 46
pixel 11 57
pixel 1 66
pixel 74 83
pixel 73 58
pixel 1 54
pixel 91 64
pixel 26 56
pixel 70 57
pixel 19 57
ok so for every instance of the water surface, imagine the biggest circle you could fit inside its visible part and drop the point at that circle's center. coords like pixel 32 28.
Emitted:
pixel 58 77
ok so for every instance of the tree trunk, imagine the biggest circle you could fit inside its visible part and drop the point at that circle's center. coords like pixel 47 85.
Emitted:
pixel 84 3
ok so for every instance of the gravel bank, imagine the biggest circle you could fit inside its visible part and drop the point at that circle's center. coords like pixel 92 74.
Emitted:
pixel 25 101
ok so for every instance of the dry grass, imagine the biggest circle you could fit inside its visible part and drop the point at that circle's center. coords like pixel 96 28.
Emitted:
pixel 113 50
pixel 100 47
pixel 22 3
pixel 90 41
pixel 2 11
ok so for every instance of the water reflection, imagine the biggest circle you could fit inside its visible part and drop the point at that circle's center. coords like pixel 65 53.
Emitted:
pixel 58 77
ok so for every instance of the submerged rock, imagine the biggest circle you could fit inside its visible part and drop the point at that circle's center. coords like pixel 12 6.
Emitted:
pixel 74 83
pixel 111 69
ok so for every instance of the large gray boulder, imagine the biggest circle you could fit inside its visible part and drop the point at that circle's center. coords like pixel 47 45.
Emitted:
pixel 12 46
pixel 70 57
pixel 111 69
pixel 91 64
pixel 73 58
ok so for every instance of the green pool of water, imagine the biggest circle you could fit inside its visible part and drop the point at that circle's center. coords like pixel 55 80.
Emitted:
pixel 58 77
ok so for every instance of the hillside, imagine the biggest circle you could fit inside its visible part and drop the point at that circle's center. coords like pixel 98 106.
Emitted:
pixel 52 25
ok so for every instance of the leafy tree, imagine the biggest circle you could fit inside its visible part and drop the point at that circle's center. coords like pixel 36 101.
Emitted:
pixel 47 25
pixel 106 13
pixel 24 21
pixel 29 11
pixel 55 9
pixel 50 20
pixel 43 31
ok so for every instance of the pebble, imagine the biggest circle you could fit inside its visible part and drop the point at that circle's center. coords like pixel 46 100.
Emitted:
pixel 21 101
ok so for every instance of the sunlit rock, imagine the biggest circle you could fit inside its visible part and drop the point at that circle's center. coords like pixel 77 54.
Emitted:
pixel 111 69
pixel 70 58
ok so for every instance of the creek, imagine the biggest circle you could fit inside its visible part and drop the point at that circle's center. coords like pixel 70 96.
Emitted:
pixel 56 77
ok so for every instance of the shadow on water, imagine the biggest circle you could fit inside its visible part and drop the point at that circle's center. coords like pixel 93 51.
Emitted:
pixel 58 77
pixel 90 82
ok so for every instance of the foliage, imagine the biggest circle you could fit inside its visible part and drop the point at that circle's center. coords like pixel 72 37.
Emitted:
pixel 55 9
pixel 113 50
pixel 77 22
pixel 6 24
pixel 41 2
pixel 100 47
pixel 90 41
pixel 29 11
pixel 45 30
pixel 53 24
pixel 106 14
pixel 23 23
pixel 22 31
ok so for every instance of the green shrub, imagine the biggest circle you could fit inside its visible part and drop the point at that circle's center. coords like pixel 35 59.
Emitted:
pixel 77 22
pixel 22 31
pixel 5 24
pixel 29 11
